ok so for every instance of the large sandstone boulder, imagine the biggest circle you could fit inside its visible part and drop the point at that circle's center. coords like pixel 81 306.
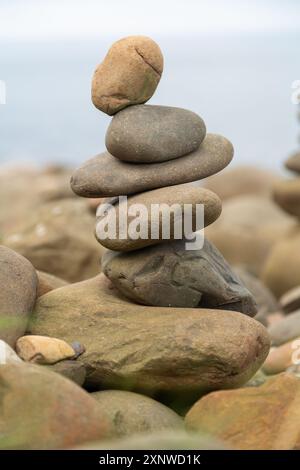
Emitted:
pixel 18 290
pixel 258 418
pixel 131 413
pixel 151 349
pixel 43 410
pixel 58 238
pixel 248 228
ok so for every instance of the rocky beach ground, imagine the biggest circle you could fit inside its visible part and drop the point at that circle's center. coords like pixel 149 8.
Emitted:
pixel 140 343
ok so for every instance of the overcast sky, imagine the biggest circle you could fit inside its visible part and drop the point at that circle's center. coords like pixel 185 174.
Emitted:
pixel 51 19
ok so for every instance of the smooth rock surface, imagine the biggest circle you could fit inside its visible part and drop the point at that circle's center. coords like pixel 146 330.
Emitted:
pixel 257 418
pixel 48 282
pixel 286 329
pixel 150 134
pixel 280 270
pixel 293 163
pixel 168 275
pixel 43 350
pixel 105 175
pixel 131 413
pixel 129 74
pixel 247 229
pixel 18 289
pixel 151 349
pixel 286 194
pixel 146 221
pixel 43 410
pixel 58 238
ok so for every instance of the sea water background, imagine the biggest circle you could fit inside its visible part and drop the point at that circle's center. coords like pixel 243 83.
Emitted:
pixel 240 84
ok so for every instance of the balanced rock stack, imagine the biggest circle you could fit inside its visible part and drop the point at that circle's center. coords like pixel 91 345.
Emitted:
pixel 169 319
pixel 282 268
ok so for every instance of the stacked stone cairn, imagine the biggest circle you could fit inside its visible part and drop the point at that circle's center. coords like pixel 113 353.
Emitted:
pixel 181 318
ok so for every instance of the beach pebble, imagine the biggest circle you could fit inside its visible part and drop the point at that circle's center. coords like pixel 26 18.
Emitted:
pixel 286 329
pixel 129 74
pixel 48 282
pixel 180 196
pixel 150 134
pixel 105 175
pixel 168 275
pixel 18 290
pixel 43 350
pixel 286 194
pixel 283 357
pixel 290 301
pixel 43 410
pixel 131 413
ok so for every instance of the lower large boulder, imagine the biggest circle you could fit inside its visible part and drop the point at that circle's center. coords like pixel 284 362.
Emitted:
pixel 151 349
pixel 43 410
pixel 257 418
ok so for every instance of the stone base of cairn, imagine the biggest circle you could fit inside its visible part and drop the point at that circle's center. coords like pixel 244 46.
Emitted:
pixel 165 320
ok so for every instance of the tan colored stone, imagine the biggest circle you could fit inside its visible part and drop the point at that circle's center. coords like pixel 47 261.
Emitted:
pixel 256 418
pixel 287 195
pixel 43 350
pixel 166 197
pixel 279 359
pixel 43 410
pixel 48 282
pixel 131 413
pixel 18 288
pixel 148 349
pixel 129 74
pixel 105 175
pixel 58 238
pixel 247 229
pixel 241 180
pixel 281 270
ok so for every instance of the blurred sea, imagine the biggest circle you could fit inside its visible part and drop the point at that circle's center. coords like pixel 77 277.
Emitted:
pixel 240 85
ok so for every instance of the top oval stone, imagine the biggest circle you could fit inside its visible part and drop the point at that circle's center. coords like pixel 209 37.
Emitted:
pixel 128 75
pixel 150 134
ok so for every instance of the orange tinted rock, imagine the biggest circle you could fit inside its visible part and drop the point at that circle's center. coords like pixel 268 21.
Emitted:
pixel 43 410
pixel 257 418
